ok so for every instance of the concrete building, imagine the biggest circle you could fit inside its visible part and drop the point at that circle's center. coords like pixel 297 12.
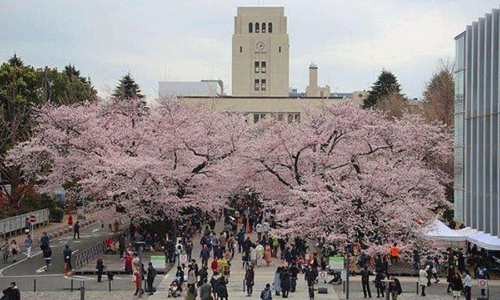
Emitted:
pixel 209 88
pixel 313 90
pixel 260 74
pixel 260 60
pixel 476 117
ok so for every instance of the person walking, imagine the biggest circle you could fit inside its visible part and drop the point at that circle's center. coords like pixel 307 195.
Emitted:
pixel 44 240
pixel 205 290
pixel 28 244
pixel 47 256
pixel 100 268
pixel 191 276
pixel 394 287
pixel 285 282
pixel 67 253
pixel 76 230
pixel 138 282
pixel 277 281
pixel 467 285
pixel 379 284
pixel 14 249
pixel 266 294
pixel 457 286
pixel 12 292
pixel 150 278
pixel 365 282
pixel 222 288
pixel 249 280
pixel 422 280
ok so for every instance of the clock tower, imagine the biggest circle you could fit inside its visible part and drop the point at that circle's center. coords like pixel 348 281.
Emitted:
pixel 260 62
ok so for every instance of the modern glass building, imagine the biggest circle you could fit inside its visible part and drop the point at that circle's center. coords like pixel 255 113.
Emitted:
pixel 476 125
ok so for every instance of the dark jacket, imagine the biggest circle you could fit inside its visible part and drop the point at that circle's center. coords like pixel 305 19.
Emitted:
pixel 151 273
pixel 67 254
pixel 12 293
pixel 99 265
pixel 249 278
pixel 206 291
pixel 365 275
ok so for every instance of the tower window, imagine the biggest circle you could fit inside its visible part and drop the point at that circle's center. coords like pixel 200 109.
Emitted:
pixel 241 49
pixel 263 85
pixel 257 85
pixel 263 27
pixel 257 28
pixel 279 49
pixel 270 27
pixel 263 67
pixel 256 67
pixel 250 27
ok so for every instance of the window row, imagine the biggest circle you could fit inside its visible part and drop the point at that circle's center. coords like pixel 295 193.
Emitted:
pixel 260 84
pixel 291 117
pixel 260 67
pixel 258 27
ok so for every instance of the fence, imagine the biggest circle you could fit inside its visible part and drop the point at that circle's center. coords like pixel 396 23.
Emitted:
pixel 18 223
pixel 90 253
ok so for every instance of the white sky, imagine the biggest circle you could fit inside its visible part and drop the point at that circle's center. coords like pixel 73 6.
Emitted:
pixel 351 41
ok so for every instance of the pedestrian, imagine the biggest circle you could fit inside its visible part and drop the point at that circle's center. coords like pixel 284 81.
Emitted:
pixel 191 293
pixel 150 278
pixel 205 290
pixel 294 271
pixel 47 256
pixel 12 292
pixel 44 241
pixel 277 281
pixel 457 286
pixel 266 294
pixel 189 249
pixel 482 273
pixel 394 287
pixel 365 282
pixel 67 253
pixel 285 282
pixel 394 251
pixel 100 268
pixel 179 275
pixel 28 244
pixel 449 279
pixel 76 230
pixel 14 249
pixel 416 261
pixel 138 282
pixel 249 280
pixel 422 279
pixel 467 285
pixel 435 269
pixel 222 288
pixel 191 277
pixel 70 221
pixel 379 284
pixel 129 270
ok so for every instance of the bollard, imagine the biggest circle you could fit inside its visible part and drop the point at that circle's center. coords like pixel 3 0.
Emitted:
pixel 109 285
pixel 417 287
pixel 72 285
pixel 34 285
pixel 82 290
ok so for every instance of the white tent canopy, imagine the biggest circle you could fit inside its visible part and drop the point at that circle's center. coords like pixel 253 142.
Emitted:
pixel 439 231
pixel 485 241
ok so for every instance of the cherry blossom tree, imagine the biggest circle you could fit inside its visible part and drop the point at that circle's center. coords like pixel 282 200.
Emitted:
pixel 349 175
pixel 154 162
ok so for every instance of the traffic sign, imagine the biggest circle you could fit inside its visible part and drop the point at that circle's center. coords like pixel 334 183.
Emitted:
pixel 336 262
pixel 322 275
pixel 183 258
pixel 482 283
pixel 32 219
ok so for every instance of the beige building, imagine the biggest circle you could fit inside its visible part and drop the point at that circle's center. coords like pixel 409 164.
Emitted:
pixel 313 90
pixel 260 60
pixel 260 74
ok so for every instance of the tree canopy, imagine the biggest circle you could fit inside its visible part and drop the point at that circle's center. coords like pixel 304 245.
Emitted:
pixel 127 89
pixel 343 173
pixel 385 85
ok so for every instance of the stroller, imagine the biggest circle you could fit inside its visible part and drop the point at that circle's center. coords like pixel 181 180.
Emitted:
pixel 173 289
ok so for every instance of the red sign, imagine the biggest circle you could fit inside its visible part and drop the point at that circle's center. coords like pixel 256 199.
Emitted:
pixel 32 219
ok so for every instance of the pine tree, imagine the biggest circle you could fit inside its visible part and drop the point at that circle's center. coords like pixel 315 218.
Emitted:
pixel 127 89
pixel 385 85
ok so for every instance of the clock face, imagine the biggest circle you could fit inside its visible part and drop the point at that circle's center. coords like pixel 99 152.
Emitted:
pixel 260 46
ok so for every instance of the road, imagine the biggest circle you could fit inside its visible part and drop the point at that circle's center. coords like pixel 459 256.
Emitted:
pixel 35 265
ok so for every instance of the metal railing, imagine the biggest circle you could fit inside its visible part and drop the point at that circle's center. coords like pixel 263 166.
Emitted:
pixel 84 257
pixel 18 223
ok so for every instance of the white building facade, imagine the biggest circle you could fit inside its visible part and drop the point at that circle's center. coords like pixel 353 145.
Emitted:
pixel 476 117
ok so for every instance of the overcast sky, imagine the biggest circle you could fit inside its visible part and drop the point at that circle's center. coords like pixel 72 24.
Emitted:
pixel 351 41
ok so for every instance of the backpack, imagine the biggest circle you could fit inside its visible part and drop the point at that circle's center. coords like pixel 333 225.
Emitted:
pixel 266 295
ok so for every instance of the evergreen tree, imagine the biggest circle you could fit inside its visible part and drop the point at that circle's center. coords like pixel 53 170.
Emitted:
pixel 127 89
pixel 385 85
